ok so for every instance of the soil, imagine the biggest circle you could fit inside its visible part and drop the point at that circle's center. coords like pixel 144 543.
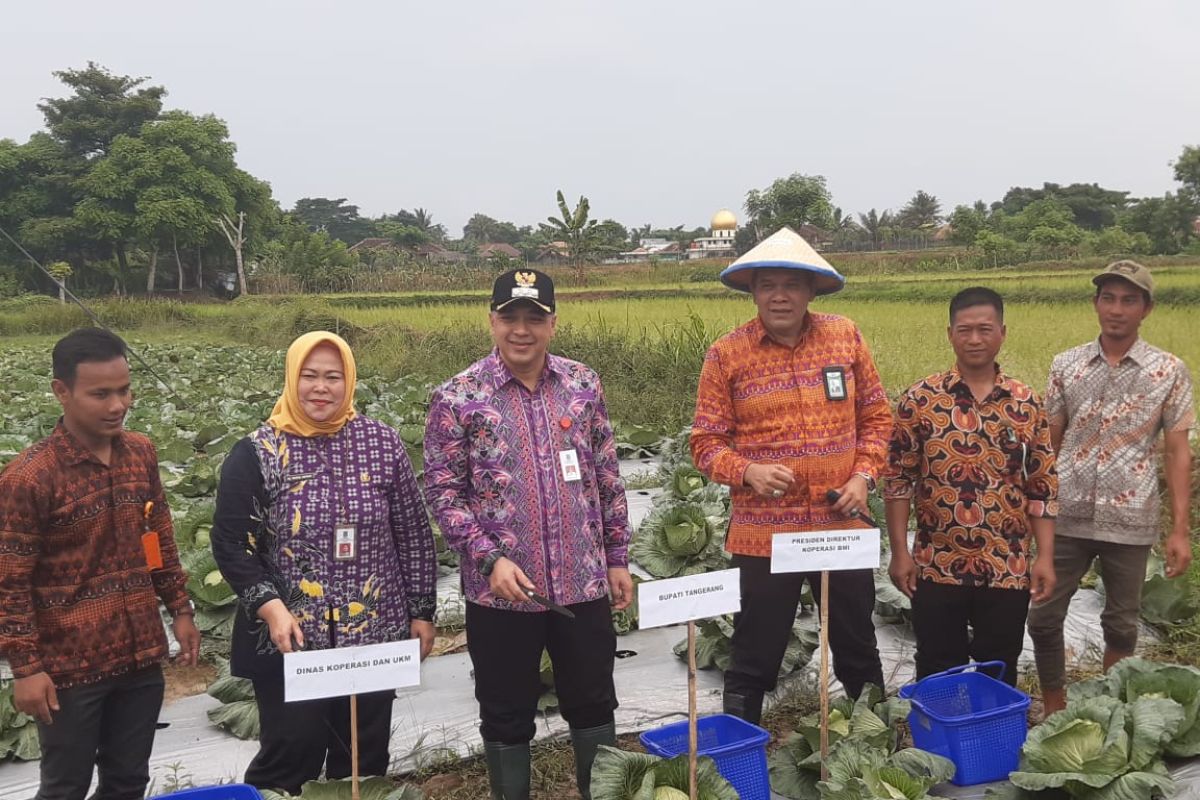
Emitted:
pixel 187 681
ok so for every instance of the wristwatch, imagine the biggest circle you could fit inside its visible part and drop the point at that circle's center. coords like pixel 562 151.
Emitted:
pixel 866 476
pixel 488 562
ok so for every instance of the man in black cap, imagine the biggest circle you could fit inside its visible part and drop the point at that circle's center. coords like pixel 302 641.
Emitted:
pixel 521 472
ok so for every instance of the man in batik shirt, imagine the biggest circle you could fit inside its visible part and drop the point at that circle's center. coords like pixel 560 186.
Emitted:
pixel 521 472
pixel 973 447
pixel 1108 401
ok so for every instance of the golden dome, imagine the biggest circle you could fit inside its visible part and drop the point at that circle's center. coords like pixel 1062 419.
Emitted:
pixel 724 220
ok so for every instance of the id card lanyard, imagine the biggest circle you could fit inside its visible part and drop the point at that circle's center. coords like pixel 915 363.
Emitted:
pixel 345 533
pixel 150 543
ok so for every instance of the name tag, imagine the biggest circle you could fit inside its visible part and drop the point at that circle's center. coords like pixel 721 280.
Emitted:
pixel 835 383
pixel 345 543
pixel 568 460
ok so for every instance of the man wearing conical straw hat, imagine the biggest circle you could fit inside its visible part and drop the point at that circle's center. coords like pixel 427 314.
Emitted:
pixel 790 406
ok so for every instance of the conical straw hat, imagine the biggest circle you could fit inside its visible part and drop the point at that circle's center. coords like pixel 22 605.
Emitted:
pixel 784 249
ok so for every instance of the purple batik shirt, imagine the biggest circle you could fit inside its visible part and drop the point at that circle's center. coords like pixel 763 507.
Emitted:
pixel 494 479
pixel 281 500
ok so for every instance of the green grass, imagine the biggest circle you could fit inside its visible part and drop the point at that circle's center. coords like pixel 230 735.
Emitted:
pixel 647 339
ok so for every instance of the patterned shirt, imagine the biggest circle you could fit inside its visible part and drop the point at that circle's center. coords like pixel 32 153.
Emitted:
pixel 1113 416
pixel 980 469
pixel 77 599
pixel 762 401
pixel 495 480
pixel 281 500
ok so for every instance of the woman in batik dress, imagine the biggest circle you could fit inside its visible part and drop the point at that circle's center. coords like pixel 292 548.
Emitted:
pixel 321 531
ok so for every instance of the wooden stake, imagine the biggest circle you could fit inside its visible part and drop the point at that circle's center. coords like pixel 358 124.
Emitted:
pixel 824 674
pixel 354 791
pixel 692 744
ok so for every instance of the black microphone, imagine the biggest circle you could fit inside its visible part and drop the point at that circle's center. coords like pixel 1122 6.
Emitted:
pixel 833 496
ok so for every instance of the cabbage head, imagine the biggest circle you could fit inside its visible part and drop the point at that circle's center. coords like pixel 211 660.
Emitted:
pixel 686 480
pixel 676 540
pixel 1101 749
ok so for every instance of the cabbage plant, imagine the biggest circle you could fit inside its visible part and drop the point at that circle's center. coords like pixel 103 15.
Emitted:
pixel 1102 749
pixel 623 775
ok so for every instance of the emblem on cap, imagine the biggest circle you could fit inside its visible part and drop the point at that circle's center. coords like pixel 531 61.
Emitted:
pixel 526 278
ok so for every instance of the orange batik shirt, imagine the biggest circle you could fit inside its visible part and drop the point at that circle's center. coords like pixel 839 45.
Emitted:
pixel 764 402
pixel 978 470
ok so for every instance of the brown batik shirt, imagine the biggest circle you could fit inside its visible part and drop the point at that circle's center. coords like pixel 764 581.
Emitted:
pixel 77 599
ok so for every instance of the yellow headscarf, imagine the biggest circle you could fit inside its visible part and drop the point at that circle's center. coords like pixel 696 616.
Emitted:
pixel 288 416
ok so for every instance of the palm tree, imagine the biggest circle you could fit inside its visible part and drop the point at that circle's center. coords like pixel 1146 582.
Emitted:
pixel 922 212
pixel 875 224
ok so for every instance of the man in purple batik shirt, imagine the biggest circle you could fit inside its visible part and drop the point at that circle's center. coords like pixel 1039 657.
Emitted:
pixel 521 473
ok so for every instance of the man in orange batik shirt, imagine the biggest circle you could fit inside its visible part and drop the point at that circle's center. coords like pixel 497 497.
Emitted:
pixel 790 406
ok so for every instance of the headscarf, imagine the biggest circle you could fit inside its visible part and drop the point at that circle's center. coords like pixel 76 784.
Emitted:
pixel 288 416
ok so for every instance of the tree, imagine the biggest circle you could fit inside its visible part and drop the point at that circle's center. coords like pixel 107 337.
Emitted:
pixel 482 229
pixel 317 261
pixel 335 217
pixel 1092 206
pixel 407 236
pixel 875 225
pixel 236 236
pixel 103 107
pixel 611 237
pixel 1166 220
pixel 966 222
pixel 794 201
pixel 1187 172
pixel 574 228
pixel 923 211
pixel 60 271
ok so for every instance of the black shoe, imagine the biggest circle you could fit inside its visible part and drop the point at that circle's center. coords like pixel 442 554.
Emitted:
pixel 747 706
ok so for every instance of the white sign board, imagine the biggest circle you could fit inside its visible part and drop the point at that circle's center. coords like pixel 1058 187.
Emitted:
pixel 816 551
pixel 672 600
pixel 344 671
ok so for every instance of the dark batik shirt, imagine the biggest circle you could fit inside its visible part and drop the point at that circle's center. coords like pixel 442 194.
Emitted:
pixel 77 599
pixel 280 499
pixel 979 469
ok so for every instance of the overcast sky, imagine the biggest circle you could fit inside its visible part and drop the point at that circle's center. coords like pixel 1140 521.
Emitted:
pixel 659 112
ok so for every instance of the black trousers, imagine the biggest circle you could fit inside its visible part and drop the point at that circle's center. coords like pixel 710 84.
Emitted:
pixel 108 725
pixel 769 603
pixel 298 739
pixel 506 650
pixel 942 613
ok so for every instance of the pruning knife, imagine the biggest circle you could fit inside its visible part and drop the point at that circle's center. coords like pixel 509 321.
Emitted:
pixel 549 604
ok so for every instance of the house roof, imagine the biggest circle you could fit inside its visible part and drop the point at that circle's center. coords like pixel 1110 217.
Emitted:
pixel 499 248
pixel 372 243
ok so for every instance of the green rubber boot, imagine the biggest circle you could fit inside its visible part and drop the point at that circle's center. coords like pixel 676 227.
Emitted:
pixel 585 742
pixel 508 770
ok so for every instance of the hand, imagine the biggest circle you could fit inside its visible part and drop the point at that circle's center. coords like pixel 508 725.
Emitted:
pixel 620 587
pixel 1042 579
pixel 188 636
pixel 853 500
pixel 282 625
pixel 36 696
pixel 508 581
pixel 1178 551
pixel 903 572
pixel 769 480
pixel 425 631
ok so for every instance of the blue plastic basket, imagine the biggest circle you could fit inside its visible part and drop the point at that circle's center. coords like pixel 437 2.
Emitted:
pixel 739 749
pixel 228 791
pixel 972 719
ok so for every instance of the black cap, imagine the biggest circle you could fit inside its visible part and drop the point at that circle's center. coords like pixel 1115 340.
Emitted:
pixel 523 284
